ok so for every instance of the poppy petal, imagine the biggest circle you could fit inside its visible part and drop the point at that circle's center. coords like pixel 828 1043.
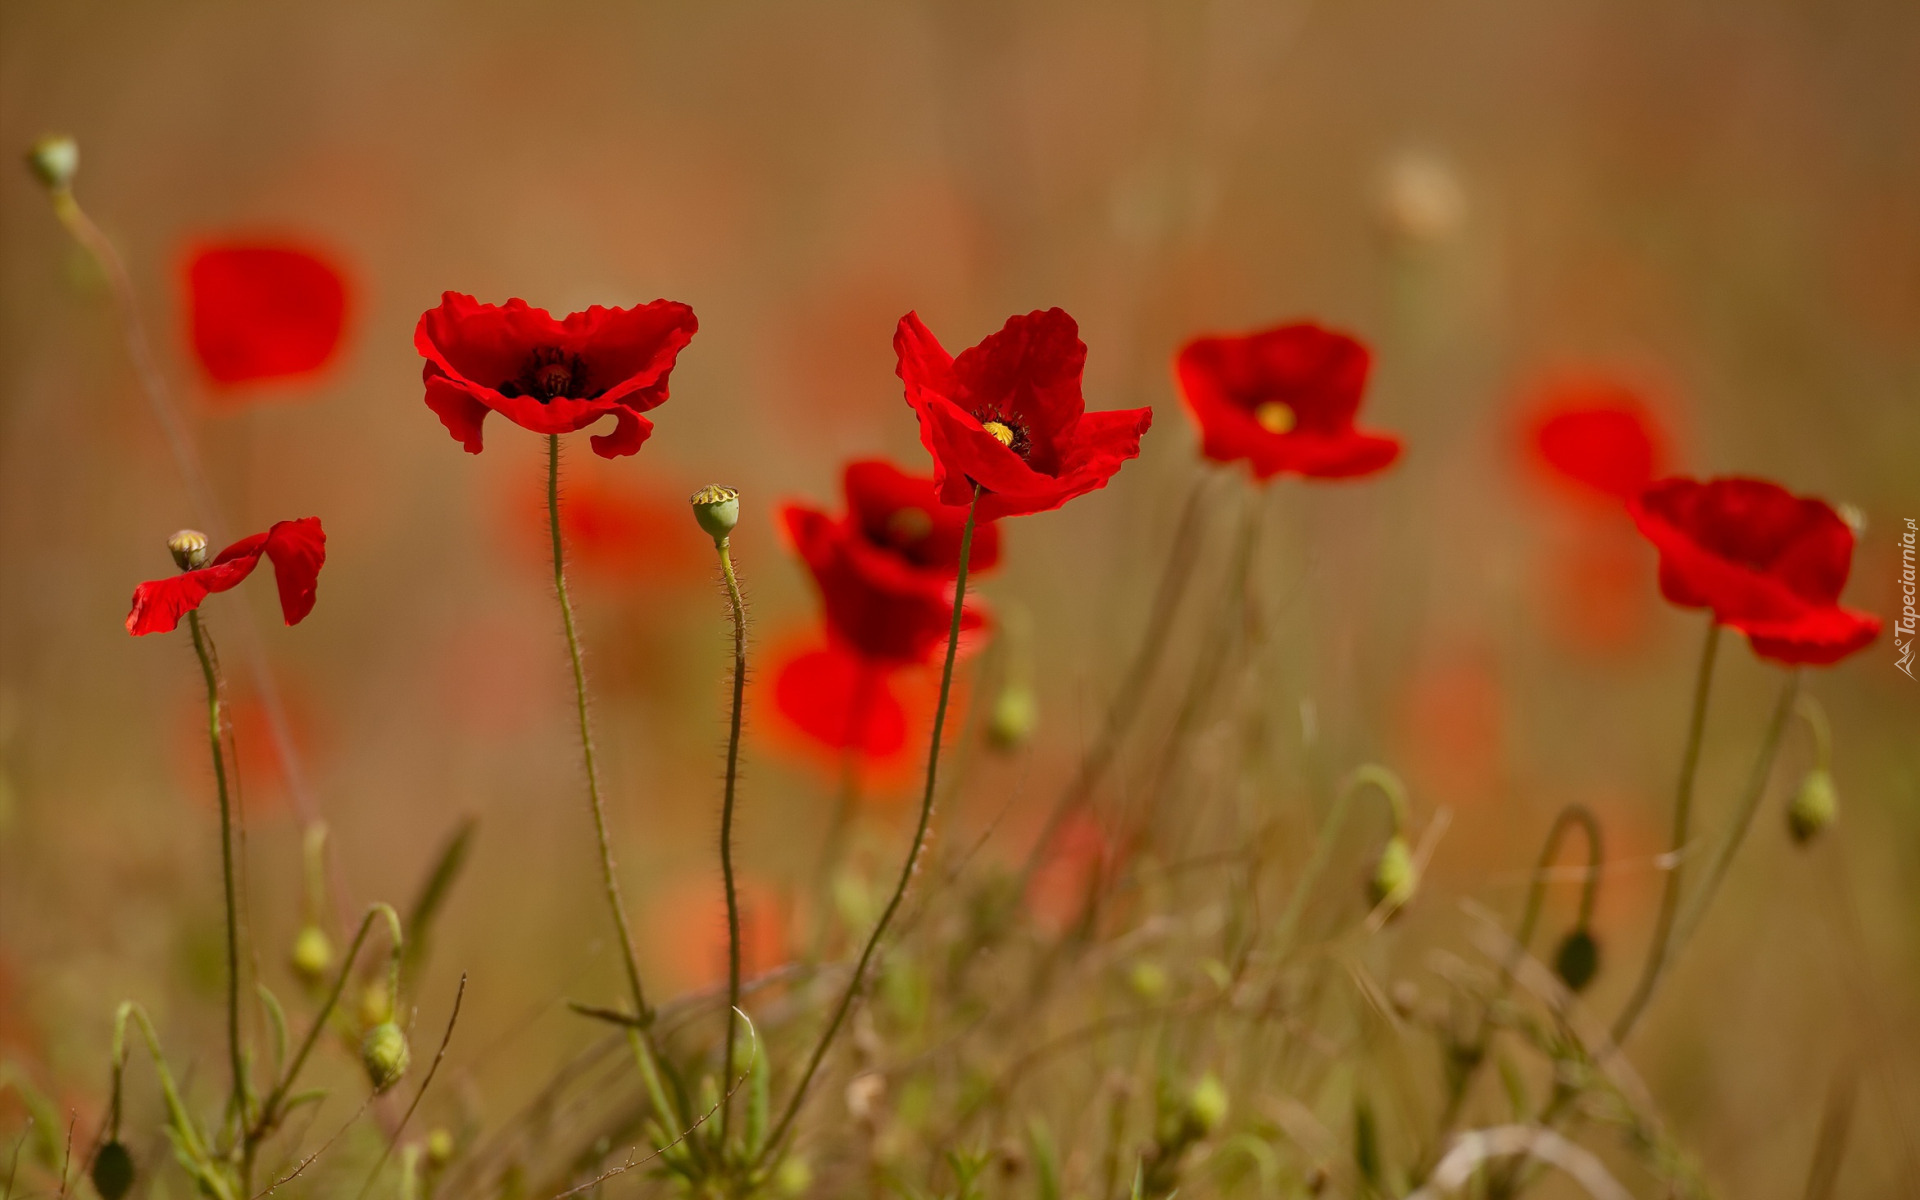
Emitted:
pixel 297 550
pixel 261 312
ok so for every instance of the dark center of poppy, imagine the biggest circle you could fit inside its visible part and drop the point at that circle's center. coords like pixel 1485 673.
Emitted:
pixel 1008 432
pixel 550 372
pixel 909 526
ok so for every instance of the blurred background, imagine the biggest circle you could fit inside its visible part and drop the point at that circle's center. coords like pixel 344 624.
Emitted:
pixel 1714 205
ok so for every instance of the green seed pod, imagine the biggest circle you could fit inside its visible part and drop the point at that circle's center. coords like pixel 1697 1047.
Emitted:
pixel 1207 1104
pixel 54 160
pixel 1815 806
pixel 440 1148
pixel 1578 960
pixel 189 549
pixel 113 1171
pixel 385 1055
pixel 1394 876
pixel 1015 713
pixel 717 509
pixel 312 955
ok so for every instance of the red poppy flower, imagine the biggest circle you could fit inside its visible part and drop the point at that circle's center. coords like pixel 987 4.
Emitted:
pixel 886 569
pixel 1008 415
pixel 842 701
pixel 1283 399
pixel 296 548
pixel 547 375
pixel 259 312
pixel 1767 562
pixel 1600 436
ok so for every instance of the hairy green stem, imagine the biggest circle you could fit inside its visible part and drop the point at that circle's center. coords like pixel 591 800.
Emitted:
pixel 726 830
pixel 608 876
pixel 852 991
pixel 1656 962
pixel 1362 777
pixel 210 672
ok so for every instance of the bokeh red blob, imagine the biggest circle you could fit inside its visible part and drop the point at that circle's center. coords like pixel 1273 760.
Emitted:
pixel 262 312
pixel 1596 436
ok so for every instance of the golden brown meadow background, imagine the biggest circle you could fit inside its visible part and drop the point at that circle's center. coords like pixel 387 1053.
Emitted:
pixel 1717 200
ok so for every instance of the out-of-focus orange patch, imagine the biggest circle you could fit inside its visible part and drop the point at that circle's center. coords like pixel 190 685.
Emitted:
pixel 618 527
pixel 1598 588
pixel 1081 851
pixel 1453 718
pixel 264 787
pixel 807 694
pixel 496 677
pixel 687 924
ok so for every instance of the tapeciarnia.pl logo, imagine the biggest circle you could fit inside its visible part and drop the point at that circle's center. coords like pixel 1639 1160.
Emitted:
pixel 1903 628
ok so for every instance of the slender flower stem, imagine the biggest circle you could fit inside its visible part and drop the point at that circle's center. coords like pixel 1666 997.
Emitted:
pixel 1362 777
pixel 1133 687
pixel 1656 962
pixel 607 873
pixel 210 671
pixel 1743 818
pixel 726 830
pixel 852 991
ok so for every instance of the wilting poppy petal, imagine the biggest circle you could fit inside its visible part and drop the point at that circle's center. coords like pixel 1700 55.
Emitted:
pixel 1765 561
pixel 550 375
pixel 261 312
pixel 1008 415
pixel 297 550
pixel 1283 400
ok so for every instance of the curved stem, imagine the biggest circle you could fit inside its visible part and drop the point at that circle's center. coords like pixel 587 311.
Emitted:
pixel 1682 813
pixel 726 831
pixel 1571 815
pixel 1133 687
pixel 1369 774
pixel 1756 790
pixel 607 873
pixel 210 672
pixel 852 991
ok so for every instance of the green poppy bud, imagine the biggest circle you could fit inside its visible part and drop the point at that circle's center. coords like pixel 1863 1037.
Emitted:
pixel 1394 876
pixel 54 160
pixel 1015 713
pixel 385 1055
pixel 376 1003
pixel 1207 1104
pixel 189 549
pixel 439 1148
pixel 1814 807
pixel 113 1171
pixel 312 955
pixel 717 509
pixel 1578 960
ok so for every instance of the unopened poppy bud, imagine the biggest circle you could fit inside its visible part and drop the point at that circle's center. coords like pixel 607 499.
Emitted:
pixel 385 1055
pixel 113 1171
pixel 439 1148
pixel 717 509
pixel 1814 807
pixel 1015 713
pixel 376 1004
pixel 54 159
pixel 189 549
pixel 1394 876
pixel 1578 960
pixel 1207 1104
pixel 312 955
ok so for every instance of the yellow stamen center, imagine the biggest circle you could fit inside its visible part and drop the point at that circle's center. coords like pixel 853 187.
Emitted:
pixel 1001 433
pixel 1275 417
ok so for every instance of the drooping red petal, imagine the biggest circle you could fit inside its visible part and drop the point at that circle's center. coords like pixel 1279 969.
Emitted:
pixel 296 548
pixel 263 311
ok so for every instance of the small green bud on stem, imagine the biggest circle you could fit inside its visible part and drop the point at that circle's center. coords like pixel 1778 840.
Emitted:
pixel 385 1055
pixel 717 509
pixel 312 955
pixel 54 160
pixel 1578 960
pixel 189 549
pixel 1815 806
pixel 1394 876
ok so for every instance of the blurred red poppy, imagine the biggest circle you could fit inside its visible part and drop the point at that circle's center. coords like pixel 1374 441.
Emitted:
pixel 692 917
pixel 263 312
pixel 1061 884
pixel 615 529
pixel 1767 562
pixel 886 569
pixel 842 701
pixel 1600 436
pixel 1284 400
pixel 297 550
pixel 548 375
pixel 1009 416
